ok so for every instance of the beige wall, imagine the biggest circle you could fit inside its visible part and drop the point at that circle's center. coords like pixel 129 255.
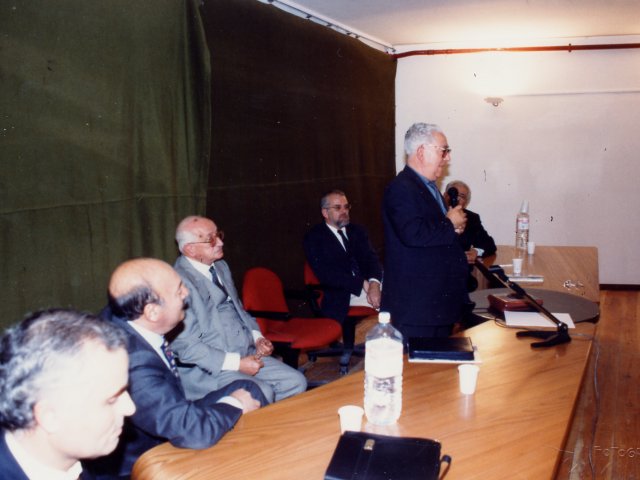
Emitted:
pixel 566 138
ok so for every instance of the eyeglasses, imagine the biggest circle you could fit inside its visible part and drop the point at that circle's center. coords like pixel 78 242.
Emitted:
pixel 213 239
pixel 444 150
pixel 337 208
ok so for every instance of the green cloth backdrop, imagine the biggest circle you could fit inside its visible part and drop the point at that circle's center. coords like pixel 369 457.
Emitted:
pixel 118 118
pixel 104 142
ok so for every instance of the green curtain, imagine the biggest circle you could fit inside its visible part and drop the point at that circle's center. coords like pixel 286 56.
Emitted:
pixel 298 109
pixel 105 127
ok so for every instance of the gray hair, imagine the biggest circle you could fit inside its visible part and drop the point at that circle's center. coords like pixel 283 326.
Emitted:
pixel 455 183
pixel 31 354
pixel 184 234
pixel 419 134
pixel 324 201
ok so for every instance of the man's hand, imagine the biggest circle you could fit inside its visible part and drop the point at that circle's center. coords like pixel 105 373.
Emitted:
pixel 471 255
pixel 264 347
pixel 373 294
pixel 249 403
pixel 458 218
pixel 250 365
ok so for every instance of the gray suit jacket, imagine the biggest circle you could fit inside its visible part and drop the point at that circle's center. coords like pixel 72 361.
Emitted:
pixel 208 331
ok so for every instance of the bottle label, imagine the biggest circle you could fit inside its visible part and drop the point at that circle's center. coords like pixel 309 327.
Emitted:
pixel 383 357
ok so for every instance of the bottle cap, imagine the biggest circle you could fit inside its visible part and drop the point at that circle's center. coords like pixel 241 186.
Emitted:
pixel 525 206
pixel 384 317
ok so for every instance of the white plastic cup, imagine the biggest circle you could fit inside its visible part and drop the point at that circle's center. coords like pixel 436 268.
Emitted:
pixel 531 248
pixel 517 266
pixel 350 418
pixel 468 378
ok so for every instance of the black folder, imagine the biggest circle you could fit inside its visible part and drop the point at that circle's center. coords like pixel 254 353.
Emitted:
pixel 366 456
pixel 449 348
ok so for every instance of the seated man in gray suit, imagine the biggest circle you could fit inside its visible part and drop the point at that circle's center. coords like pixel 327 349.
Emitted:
pixel 221 342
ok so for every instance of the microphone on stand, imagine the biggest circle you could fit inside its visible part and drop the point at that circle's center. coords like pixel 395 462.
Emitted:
pixel 453 197
pixel 550 338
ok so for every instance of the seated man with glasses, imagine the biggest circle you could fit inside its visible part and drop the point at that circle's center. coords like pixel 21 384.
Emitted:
pixel 341 256
pixel 475 240
pixel 221 342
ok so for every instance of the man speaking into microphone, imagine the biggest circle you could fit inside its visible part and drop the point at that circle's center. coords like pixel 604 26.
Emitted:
pixel 425 268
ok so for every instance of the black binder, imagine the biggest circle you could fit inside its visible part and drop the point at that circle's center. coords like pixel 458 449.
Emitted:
pixel 366 456
pixel 450 348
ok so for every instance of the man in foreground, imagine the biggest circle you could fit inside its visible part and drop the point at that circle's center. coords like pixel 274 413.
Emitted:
pixel 63 394
pixel 147 301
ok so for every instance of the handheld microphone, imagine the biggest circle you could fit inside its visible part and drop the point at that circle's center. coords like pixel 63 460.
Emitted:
pixel 453 196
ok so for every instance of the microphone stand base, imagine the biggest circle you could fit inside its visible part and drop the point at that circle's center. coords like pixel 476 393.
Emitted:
pixel 550 338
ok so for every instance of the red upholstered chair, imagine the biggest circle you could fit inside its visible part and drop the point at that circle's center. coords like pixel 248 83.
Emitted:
pixel 263 297
pixel 347 348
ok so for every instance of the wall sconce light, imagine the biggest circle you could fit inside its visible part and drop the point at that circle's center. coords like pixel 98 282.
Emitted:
pixel 495 101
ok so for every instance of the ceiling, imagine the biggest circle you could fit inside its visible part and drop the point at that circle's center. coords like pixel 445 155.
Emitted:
pixel 417 22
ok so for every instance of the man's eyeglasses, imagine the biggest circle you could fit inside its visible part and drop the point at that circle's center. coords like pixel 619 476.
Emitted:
pixel 444 150
pixel 213 239
pixel 337 208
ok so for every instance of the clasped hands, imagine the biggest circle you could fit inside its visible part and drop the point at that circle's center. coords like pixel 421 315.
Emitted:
pixel 251 364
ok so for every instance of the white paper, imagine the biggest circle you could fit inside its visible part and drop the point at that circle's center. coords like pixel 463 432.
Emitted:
pixel 535 319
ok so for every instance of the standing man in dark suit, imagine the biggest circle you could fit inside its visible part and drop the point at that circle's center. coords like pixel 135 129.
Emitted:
pixel 147 300
pixel 341 256
pixel 425 267
pixel 221 342
pixel 63 394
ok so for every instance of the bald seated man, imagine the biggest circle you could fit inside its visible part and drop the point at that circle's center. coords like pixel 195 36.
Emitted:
pixel 221 342
pixel 63 394
pixel 147 300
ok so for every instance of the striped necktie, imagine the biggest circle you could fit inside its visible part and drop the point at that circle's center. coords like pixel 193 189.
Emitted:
pixel 168 354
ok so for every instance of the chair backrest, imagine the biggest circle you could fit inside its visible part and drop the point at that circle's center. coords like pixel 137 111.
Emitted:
pixel 313 287
pixel 262 291
pixel 309 277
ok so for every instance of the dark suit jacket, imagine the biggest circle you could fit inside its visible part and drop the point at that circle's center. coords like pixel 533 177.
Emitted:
pixel 475 234
pixel 10 470
pixel 162 411
pixel 331 264
pixel 425 268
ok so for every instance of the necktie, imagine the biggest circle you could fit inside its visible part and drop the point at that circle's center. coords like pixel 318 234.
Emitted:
pixel 436 194
pixel 355 269
pixel 168 354
pixel 345 241
pixel 216 280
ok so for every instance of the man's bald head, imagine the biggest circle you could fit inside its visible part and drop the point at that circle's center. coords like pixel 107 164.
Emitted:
pixel 142 288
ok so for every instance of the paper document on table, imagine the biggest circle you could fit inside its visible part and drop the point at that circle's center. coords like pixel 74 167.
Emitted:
pixel 535 319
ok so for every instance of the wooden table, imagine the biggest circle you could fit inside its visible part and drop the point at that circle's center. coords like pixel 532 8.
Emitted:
pixel 513 427
pixel 557 264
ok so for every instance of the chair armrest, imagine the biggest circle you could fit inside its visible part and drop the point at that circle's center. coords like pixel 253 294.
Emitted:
pixel 270 315
pixel 296 294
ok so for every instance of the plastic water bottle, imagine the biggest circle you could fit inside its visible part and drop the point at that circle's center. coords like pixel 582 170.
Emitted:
pixel 522 230
pixel 383 372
